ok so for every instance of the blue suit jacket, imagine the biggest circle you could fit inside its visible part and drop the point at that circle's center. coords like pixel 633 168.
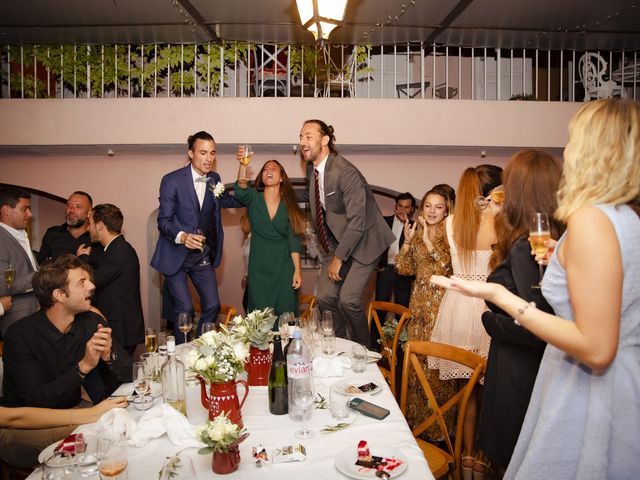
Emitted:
pixel 180 211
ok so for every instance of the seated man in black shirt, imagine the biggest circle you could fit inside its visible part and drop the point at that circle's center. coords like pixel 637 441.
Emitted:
pixel 48 354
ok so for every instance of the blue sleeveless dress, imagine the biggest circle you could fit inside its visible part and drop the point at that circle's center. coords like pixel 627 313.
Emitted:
pixel 580 425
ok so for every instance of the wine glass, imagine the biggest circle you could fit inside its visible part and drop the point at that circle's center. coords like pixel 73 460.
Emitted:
pixel 185 324
pixel 112 457
pixel 246 160
pixel 326 323
pixel 303 395
pixel 539 232
pixel 208 327
pixel 141 380
pixel 284 321
pixel 9 276
pixel 204 261
pixel 151 340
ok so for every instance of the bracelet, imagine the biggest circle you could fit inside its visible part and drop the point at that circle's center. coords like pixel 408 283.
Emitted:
pixel 80 372
pixel 521 311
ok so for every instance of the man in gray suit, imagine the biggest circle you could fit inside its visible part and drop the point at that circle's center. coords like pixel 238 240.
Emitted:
pixel 349 226
pixel 15 250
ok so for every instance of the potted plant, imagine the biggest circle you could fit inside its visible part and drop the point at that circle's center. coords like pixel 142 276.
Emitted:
pixel 221 437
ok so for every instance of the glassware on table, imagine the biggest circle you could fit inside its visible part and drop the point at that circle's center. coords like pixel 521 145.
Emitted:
pixel 173 379
pixel 314 320
pixel 151 340
pixel 286 320
pixel 539 232
pixel 9 276
pixel 208 327
pixel 152 365
pixel 205 260
pixel 86 453
pixel 339 401
pixel 326 323
pixel 141 385
pixel 328 343
pixel 112 457
pixel 185 324
pixel 303 396
pixel 358 358
pixel 59 466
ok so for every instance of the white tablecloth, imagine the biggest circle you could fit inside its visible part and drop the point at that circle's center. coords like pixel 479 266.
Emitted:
pixel 278 430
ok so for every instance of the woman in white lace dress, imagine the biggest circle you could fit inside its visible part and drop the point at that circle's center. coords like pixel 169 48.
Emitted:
pixel 459 322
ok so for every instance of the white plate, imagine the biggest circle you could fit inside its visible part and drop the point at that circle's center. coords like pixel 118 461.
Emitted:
pixel 349 386
pixel 346 462
pixel 372 357
pixel 126 390
pixel 47 452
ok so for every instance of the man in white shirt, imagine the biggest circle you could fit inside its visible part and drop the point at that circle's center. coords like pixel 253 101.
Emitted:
pixel 16 254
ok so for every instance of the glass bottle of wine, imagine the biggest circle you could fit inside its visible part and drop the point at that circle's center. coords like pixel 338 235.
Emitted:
pixel 278 393
pixel 173 379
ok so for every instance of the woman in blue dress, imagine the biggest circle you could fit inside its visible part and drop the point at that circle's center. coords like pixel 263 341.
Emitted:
pixel 584 415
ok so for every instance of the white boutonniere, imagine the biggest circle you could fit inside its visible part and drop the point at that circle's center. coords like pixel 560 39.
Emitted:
pixel 217 189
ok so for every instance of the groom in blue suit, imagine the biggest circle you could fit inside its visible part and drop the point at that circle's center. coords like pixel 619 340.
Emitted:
pixel 189 219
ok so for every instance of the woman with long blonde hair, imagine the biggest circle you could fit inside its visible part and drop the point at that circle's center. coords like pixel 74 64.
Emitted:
pixel 470 234
pixel 582 420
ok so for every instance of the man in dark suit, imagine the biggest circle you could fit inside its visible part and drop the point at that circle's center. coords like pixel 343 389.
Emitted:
pixel 116 277
pixel 391 286
pixel 15 251
pixel 350 229
pixel 189 221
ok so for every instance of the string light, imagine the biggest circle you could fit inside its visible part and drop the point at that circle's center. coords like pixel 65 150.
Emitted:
pixel 391 19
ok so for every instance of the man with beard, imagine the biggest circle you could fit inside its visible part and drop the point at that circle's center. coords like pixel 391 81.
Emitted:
pixel 73 234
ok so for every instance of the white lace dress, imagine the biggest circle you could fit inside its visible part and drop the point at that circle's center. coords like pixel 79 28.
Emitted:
pixel 459 320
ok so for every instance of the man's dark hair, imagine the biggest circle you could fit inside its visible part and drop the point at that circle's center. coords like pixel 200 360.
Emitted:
pixel 406 196
pixel 84 194
pixel 325 130
pixel 108 214
pixel 12 195
pixel 201 135
pixel 54 275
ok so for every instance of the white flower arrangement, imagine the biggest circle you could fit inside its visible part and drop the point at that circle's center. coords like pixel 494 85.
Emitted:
pixel 217 189
pixel 255 328
pixel 219 435
pixel 218 357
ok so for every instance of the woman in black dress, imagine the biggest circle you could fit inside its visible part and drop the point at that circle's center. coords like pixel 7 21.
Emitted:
pixel 530 182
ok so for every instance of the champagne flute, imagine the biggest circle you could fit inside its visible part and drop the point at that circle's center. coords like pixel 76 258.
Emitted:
pixel 204 261
pixel 151 340
pixel 246 160
pixel 303 395
pixel 141 383
pixel 112 457
pixel 185 324
pixel 539 232
pixel 9 276
pixel 327 323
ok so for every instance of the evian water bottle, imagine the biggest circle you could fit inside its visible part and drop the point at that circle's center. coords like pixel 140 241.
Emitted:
pixel 298 370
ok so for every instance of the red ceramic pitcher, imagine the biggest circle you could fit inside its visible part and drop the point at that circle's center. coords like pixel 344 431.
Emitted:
pixel 223 397
pixel 258 366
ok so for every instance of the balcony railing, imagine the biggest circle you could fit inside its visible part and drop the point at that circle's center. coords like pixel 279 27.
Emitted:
pixel 407 71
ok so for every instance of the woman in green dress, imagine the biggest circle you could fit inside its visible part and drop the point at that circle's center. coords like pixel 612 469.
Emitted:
pixel 277 224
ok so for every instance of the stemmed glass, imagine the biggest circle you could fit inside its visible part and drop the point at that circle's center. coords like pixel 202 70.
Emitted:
pixel 112 457
pixel 284 321
pixel 150 340
pixel 185 324
pixel 303 395
pixel 246 158
pixel 539 232
pixel 327 323
pixel 9 276
pixel 204 261
pixel 141 378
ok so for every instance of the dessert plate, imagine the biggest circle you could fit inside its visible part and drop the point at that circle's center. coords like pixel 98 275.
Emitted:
pixel 346 462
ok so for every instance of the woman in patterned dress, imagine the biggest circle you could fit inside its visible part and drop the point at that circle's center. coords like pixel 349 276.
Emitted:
pixel 425 252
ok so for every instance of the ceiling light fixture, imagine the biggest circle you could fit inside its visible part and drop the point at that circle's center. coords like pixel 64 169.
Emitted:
pixel 320 17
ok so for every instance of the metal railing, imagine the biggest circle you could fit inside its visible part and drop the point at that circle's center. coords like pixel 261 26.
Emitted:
pixel 407 71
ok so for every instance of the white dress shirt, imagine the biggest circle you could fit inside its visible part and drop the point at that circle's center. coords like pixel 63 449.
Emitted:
pixel 394 248
pixel 23 239
pixel 320 168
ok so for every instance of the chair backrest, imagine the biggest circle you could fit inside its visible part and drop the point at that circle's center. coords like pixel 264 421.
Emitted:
pixel 412 351
pixel 308 300
pixel 389 346
pixel 229 312
pixel 592 69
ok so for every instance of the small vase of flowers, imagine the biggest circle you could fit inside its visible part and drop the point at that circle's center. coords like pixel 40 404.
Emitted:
pixel 222 437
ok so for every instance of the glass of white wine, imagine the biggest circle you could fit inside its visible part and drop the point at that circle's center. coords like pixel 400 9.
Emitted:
pixel 112 457
pixel 9 276
pixel 246 159
pixel 151 340
pixel 185 324
pixel 539 233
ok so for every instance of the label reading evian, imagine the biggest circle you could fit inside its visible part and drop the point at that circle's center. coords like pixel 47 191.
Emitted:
pixel 298 368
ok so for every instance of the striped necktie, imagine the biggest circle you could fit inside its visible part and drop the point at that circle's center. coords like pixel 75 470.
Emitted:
pixel 320 229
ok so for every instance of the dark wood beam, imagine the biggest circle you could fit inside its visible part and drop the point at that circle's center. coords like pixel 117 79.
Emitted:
pixel 199 19
pixel 453 14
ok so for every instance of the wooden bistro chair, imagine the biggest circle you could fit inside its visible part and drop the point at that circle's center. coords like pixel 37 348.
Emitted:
pixel 389 346
pixel 229 312
pixel 310 301
pixel 440 461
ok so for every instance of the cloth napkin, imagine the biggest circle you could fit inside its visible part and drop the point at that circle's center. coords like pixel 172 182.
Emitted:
pixel 327 367
pixel 154 423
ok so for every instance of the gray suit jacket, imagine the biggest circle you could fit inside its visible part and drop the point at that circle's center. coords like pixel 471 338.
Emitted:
pixel 24 302
pixel 352 213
